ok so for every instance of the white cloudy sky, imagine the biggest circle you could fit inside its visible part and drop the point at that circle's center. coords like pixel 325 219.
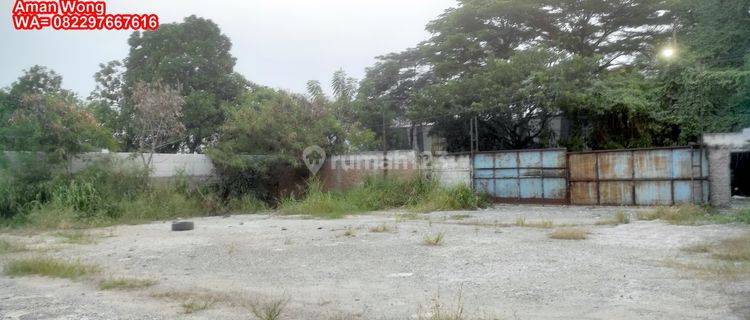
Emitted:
pixel 279 43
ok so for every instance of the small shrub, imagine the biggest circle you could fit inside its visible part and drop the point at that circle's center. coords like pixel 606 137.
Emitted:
pixel 435 240
pixel 270 310
pixel 48 268
pixel 569 234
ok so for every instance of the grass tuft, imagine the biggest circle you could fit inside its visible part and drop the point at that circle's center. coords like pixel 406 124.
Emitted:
pixel 350 233
pixel 192 302
pixel 435 240
pixel 48 267
pixel 269 310
pixel 125 284
pixel 619 218
pixel 75 237
pixel 544 224
pixel 439 311
pixel 381 228
pixel 192 306
pixel 681 215
pixel 569 234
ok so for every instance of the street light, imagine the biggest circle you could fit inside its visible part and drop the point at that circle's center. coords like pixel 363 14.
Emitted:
pixel 668 52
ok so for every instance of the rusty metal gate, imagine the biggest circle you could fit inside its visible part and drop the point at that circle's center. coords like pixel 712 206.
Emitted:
pixel 661 176
pixel 522 176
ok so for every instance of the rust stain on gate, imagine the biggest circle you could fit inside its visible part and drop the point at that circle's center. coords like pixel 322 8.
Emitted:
pixel 659 176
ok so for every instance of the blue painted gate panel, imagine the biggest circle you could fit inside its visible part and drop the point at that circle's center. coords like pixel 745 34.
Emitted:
pixel 522 176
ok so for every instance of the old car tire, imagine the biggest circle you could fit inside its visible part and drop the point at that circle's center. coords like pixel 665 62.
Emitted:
pixel 183 226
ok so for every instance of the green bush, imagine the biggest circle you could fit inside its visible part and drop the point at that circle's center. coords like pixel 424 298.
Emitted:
pixel 456 198
pixel 247 203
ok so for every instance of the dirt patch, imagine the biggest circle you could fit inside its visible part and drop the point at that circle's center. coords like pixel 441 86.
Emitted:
pixel 499 270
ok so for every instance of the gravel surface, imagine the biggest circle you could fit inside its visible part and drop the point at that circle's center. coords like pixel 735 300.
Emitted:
pixel 339 269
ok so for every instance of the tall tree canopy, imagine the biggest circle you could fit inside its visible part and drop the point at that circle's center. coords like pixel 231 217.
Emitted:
pixel 589 65
pixel 37 114
pixel 193 56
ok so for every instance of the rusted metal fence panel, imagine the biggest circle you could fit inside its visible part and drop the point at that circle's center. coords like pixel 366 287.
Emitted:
pixel 525 176
pixel 662 176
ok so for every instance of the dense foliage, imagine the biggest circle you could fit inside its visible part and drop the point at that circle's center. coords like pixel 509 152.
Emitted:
pixel 590 67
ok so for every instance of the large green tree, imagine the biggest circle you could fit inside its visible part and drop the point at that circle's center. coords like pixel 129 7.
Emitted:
pixel 475 64
pixel 193 56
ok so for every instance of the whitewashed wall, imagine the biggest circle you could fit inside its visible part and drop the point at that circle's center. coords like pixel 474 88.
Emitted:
pixel 451 170
pixel 162 165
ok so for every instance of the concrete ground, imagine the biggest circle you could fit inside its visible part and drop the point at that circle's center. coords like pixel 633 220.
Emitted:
pixel 340 269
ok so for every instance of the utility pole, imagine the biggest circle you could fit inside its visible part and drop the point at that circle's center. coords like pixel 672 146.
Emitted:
pixel 384 134
pixel 474 134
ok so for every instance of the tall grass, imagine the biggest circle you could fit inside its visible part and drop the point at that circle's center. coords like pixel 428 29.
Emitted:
pixel 48 267
pixel 379 193
pixel 108 193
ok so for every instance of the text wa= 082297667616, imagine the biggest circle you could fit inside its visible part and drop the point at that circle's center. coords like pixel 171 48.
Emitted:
pixel 106 22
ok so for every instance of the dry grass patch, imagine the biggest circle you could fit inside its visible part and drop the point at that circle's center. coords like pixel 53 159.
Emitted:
pixel 726 270
pixel 440 311
pixel 351 232
pixel 48 267
pixel 192 306
pixel 733 255
pixel 381 228
pixel 11 247
pixel 435 240
pixel 268 310
pixel 619 218
pixel 75 237
pixel 544 224
pixel 681 215
pixel 570 234
pixel 125 284
pixel 733 249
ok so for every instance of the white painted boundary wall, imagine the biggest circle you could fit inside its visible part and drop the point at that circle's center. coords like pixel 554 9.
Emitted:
pixel 163 165
pixel 450 170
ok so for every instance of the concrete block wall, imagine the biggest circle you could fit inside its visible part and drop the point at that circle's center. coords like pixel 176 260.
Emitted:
pixel 345 171
pixel 720 176
pixel 162 165
pixel 450 170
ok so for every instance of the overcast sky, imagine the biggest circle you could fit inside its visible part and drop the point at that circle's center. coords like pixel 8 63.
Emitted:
pixel 278 43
